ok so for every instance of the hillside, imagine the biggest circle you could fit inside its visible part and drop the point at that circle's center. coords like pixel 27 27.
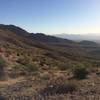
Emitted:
pixel 89 43
pixel 29 62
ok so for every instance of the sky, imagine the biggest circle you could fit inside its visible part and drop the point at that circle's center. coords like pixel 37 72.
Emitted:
pixel 52 16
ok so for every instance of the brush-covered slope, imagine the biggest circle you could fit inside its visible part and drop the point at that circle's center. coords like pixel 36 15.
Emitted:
pixel 48 39
pixel 22 51
pixel 88 43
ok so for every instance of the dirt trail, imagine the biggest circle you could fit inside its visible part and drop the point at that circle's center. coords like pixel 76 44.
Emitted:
pixel 11 81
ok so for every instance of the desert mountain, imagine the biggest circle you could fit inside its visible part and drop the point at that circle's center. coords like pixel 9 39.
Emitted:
pixel 30 62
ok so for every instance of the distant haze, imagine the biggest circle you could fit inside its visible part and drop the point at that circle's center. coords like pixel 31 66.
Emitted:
pixel 79 37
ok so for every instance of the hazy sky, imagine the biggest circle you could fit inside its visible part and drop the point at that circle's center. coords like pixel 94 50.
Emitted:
pixel 52 16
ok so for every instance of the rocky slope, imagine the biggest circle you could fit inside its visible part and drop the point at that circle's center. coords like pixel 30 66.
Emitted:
pixel 33 63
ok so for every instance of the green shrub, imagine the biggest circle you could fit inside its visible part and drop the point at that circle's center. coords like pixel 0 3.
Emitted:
pixel 2 65
pixel 45 77
pixel 80 72
pixel 32 67
pixel 62 66
pixel 2 62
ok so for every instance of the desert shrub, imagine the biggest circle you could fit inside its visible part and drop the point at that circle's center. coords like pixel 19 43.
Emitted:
pixel 32 67
pixel 24 60
pixel 62 88
pixel 23 70
pixel 80 72
pixel 45 77
pixel 96 64
pixel 61 66
pixel 2 65
pixel 18 54
pixel 8 51
pixel 65 65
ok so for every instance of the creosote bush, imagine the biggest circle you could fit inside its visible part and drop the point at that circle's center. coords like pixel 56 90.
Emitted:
pixel 80 72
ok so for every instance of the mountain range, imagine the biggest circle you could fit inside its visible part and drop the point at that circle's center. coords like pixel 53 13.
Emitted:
pixel 79 37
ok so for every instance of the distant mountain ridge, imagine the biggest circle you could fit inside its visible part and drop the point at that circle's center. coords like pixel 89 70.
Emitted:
pixel 41 37
pixel 84 42
pixel 14 29
pixel 79 37
pixel 38 36
pixel 48 39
